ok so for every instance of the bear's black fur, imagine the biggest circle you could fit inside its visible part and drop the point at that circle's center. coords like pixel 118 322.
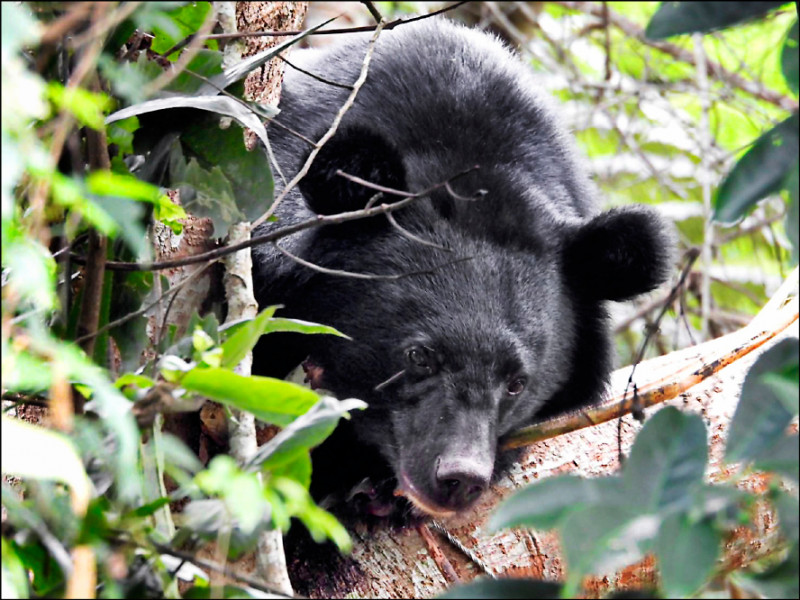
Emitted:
pixel 500 321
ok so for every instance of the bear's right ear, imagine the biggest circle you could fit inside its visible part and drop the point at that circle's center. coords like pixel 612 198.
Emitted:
pixel 356 151
pixel 619 254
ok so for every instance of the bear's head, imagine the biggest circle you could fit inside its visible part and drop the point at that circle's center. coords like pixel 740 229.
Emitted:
pixel 472 322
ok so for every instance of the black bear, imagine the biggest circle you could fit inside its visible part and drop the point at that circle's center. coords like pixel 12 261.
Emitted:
pixel 480 306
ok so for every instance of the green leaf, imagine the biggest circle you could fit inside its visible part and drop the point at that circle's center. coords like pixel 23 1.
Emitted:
pixel 760 172
pixel 544 504
pixel 121 134
pixel 320 523
pixel 15 580
pixel 88 107
pixel 299 470
pixel 792 221
pixel 271 400
pixel 597 540
pixel 223 105
pixel 303 433
pixel 180 23
pixel 790 57
pixel 788 515
pixel 242 340
pixel 34 452
pixel 781 457
pixel 674 18
pixel 687 554
pixel 667 461
pixel 505 588
pixel 761 417
pixel 204 192
pixel 248 173
pixel 31 273
pixel 780 581
pixel 299 326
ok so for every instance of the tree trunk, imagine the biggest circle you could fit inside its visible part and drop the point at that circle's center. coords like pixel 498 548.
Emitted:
pixel 415 563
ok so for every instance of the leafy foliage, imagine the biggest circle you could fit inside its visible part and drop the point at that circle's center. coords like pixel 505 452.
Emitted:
pixel 107 482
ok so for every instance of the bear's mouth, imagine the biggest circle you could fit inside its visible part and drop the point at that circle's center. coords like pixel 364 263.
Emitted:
pixel 407 489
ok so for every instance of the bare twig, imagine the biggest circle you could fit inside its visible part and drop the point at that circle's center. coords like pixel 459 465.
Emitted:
pixel 272 236
pixel 411 236
pixel 315 76
pixel 217 568
pixel 373 10
pixel 370 276
pixel 362 77
pixel 124 319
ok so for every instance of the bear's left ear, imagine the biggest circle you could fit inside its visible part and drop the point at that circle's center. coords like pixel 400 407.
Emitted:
pixel 356 151
pixel 619 254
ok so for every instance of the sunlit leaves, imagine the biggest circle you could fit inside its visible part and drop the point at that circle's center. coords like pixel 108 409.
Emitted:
pixel 35 452
pixel 673 18
pixel 271 400
pixel 761 415
pixel 760 172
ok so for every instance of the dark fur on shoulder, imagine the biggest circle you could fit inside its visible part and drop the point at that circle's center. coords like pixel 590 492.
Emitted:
pixel 450 358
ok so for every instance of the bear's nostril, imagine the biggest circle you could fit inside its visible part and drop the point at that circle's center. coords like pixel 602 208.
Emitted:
pixel 460 481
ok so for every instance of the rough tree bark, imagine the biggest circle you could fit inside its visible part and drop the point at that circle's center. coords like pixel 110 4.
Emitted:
pixel 412 563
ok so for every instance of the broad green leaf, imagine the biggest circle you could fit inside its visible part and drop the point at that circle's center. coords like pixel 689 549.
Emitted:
pixel 121 134
pixel 204 192
pixel 248 173
pixel 271 400
pixel 792 221
pixel 667 461
pixel 303 433
pixel 760 418
pixel 34 452
pixel 71 194
pixel 244 338
pixel 320 523
pixel 107 183
pixel 790 57
pixel 674 18
pixel 788 515
pixel 760 172
pixel 88 107
pixel 31 273
pixel 781 457
pixel 150 508
pixel 15 580
pixel 181 22
pixel 784 385
pixel 687 554
pixel 298 469
pixel 299 326
pixel 780 581
pixel 505 588
pixel 593 542
pixel 223 105
pixel 545 504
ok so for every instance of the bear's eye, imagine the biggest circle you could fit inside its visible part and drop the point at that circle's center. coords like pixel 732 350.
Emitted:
pixel 420 360
pixel 516 386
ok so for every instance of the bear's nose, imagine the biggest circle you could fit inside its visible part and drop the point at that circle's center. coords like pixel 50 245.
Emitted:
pixel 460 481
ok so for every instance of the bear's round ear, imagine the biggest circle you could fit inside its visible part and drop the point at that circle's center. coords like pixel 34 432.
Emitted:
pixel 356 151
pixel 619 254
